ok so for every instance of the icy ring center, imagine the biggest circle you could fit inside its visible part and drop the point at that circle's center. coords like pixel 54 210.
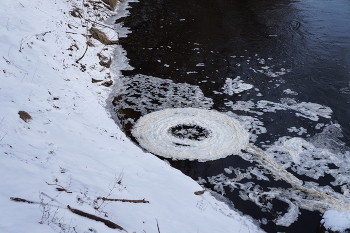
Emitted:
pixel 190 133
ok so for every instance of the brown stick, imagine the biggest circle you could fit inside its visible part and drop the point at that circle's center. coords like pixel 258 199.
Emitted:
pixel 78 212
pixel 123 200
pixel 23 200
pixel 17 199
pixel 87 46
pixel 96 218
pixel 60 188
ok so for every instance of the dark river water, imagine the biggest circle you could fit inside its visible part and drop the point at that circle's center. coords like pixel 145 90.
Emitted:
pixel 289 52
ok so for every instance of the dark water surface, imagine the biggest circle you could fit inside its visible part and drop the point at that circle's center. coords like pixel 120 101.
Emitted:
pixel 203 42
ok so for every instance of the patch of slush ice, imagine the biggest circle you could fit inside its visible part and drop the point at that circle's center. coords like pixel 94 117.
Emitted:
pixel 235 86
pixel 145 94
pixel 173 133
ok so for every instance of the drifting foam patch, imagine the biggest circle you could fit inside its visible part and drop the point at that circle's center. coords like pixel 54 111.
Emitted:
pixel 235 86
pixel 312 157
pixel 308 110
pixel 289 92
pixel 190 133
pixel 306 195
pixel 319 155
pixel 300 131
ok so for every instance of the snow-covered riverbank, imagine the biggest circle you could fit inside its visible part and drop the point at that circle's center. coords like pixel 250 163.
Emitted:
pixel 59 144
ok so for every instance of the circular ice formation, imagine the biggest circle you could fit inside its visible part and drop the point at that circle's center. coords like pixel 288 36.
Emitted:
pixel 190 133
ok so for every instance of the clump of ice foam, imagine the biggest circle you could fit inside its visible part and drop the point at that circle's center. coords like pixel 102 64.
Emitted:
pixel 225 136
pixel 306 195
pixel 314 157
pixel 145 94
pixel 253 125
pixel 235 86
pixel 301 156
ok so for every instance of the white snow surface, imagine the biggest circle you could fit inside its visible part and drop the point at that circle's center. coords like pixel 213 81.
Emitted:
pixel 72 143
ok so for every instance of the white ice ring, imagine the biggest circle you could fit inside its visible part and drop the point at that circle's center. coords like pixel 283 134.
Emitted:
pixel 221 135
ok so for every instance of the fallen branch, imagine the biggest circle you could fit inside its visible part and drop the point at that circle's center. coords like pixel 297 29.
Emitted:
pixel 60 188
pixel 96 218
pixel 78 212
pixel 23 200
pixel 157 225
pixel 87 46
pixel 17 199
pixel 123 200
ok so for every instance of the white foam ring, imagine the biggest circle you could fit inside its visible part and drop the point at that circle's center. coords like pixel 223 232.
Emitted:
pixel 224 137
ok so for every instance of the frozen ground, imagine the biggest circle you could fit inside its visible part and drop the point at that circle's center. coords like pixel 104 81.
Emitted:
pixel 65 149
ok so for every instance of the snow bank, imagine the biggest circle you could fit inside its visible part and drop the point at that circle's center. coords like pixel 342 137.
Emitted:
pixel 71 152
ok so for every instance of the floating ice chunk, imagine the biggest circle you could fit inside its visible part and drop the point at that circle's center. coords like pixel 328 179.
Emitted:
pixel 190 133
pixel 299 131
pixel 336 221
pixel 308 110
pixel 200 64
pixel 313 110
pixel 235 86
pixel 345 90
pixel 289 92
pixel 227 170
pixel 319 125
